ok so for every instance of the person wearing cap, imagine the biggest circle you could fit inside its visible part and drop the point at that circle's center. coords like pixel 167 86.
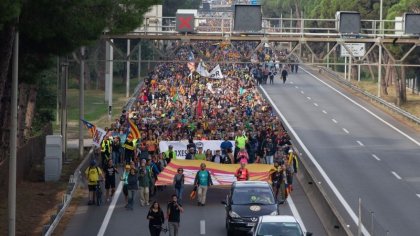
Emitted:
pixel 200 155
pixel 145 181
pixel 170 154
pixel 202 181
pixel 93 174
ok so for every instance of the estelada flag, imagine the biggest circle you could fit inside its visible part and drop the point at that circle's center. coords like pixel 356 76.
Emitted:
pixel 91 127
pixel 134 131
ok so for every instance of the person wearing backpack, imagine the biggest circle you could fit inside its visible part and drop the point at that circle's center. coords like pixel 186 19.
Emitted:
pixel 178 181
pixel 93 175
pixel 202 181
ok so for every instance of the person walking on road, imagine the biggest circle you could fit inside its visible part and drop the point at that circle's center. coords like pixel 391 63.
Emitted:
pixel 174 211
pixel 178 182
pixel 93 175
pixel 110 179
pixel 284 75
pixel 156 219
pixel 124 178
pixel 132 188
pixel 145 180
pixel 277 181
pixel 242 173
pixel 202 181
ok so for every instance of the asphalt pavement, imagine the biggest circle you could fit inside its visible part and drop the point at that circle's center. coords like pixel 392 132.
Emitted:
pixel 114 219
pixel 363 152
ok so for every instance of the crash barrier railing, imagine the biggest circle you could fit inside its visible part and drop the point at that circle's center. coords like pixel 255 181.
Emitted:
pixel 75 179
pixel 381 101
pixel 72 185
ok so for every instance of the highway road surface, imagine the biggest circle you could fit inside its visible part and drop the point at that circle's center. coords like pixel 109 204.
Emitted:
pixel 114 219
pixel 356 150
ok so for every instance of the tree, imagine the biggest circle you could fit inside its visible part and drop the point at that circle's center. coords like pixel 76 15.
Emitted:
pixel 53 28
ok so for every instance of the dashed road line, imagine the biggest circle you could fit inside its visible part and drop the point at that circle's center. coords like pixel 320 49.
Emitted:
pixel 376 157
pixel 302 92
pixel 418 195
pixel 396 175
pixel 316 104
pixel 334 120
pixel 346 131
pixel 360 143
pixel 309 98
pixel 324 111
pixel 291 82
pixel 296 87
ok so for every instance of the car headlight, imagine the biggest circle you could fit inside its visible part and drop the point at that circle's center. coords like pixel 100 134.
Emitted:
pixel 233 214
pixel 274 213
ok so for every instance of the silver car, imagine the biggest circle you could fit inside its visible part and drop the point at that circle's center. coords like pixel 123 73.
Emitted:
pixel 280 225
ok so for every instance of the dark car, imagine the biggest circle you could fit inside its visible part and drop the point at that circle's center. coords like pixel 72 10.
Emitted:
pixel 247 201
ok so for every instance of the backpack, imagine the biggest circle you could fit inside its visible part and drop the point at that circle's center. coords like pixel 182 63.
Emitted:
pixel 97 171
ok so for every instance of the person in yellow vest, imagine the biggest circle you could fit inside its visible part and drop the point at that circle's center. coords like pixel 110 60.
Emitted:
pixel 106 150
pixel 170 154
pixel 130 149
pixel 93 175
pixel 240 141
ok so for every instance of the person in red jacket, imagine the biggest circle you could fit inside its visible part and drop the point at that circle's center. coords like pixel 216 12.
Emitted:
pixel 242 173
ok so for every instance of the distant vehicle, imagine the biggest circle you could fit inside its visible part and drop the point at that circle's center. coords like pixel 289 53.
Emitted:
pixel 246 201
pixel 277 226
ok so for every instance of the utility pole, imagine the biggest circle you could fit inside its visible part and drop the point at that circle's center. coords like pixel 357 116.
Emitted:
pixel 81 100
pixel 111 74
pixel 380 48
pixel 64 86
pixel 13 139
pixel 57 114
pixel 127 92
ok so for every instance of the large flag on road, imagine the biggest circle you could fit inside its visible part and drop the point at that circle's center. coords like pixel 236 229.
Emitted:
pixel 91 127
pixel 134 130
pixel 221 174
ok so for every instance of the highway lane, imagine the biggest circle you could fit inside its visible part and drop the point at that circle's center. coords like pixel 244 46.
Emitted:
pixel 360 154
pixel 89 220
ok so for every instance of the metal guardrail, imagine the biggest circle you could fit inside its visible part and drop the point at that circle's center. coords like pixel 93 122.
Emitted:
pixel 381 101
pixel 74 180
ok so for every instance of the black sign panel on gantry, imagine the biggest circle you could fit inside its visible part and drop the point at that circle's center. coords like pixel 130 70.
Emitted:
pixel 412 23
pixel 247 18
pixel 185 23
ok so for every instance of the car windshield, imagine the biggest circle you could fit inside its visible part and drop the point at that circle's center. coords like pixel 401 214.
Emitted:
pixel 279 229
pixel 252 195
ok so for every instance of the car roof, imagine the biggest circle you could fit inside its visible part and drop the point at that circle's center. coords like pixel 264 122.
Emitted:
pixel 278 219
pixel 249 183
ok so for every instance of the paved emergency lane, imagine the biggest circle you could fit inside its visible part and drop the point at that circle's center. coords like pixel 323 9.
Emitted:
pixel 92 220
pixel 364 152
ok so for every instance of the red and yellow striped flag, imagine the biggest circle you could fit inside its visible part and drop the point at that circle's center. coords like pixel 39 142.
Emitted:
pixel 134 131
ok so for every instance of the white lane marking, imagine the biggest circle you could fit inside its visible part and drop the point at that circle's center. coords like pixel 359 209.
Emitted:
pixel 315 104
pixel 302 92
pixel 376 157
pixel 295 213
pixel 318 166
pixel 291 82
pixel 309 98
pixel 335 121
pixel 365 109
pixel 346 131
pixel 202 227
pixel 296 87
pixel 396 175
pixel 324 111
pixel 360 143
pixel 418 195
pixel 110 210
